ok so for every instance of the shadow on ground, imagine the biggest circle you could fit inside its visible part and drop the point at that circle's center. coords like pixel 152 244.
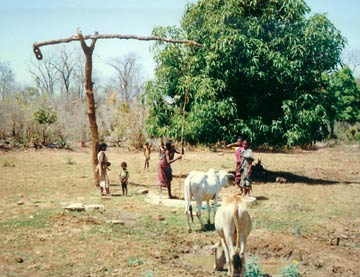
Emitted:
pixel 260 174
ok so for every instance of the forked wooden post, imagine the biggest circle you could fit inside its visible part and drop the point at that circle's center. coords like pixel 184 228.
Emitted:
pixel 88 51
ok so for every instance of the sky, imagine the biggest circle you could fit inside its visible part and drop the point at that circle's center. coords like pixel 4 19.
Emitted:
pixel 23 22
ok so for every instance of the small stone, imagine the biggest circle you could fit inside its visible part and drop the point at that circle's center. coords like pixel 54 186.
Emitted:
pixel 158 217
pixel 19 260
pixel 143 191
pixel 116 222
pixel 94 207
pixel 78 207
pixel 20 203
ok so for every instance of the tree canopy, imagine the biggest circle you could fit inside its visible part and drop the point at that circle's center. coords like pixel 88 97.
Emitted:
pixel 341 97
pixel 259 73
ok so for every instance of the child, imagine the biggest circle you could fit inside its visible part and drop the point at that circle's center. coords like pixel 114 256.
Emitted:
pixel 102 168
pixel 246 164
pixel 124 176
pixel 147 152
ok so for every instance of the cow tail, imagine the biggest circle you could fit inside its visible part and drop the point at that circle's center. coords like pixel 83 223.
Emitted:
pixel 237 227
pixel 187 196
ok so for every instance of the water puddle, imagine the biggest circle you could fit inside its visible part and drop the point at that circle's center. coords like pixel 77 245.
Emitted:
pixel 203 262
pixel 271 267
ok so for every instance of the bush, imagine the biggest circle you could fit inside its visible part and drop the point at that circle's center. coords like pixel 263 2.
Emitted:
pixel 353 133
pixel 347 133
pixel 291 271
pixel 253 269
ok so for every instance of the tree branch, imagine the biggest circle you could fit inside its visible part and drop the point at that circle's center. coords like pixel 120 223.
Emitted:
pixel 37 45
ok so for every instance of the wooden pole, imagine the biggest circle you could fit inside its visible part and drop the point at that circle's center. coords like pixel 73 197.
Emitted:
pixel 182 130
pixel 88 51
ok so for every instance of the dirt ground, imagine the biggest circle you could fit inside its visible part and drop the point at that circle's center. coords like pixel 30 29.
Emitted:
pixel 312 219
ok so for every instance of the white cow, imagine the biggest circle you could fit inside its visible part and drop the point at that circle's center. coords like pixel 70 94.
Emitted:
pixel 233 224
pixel 203 186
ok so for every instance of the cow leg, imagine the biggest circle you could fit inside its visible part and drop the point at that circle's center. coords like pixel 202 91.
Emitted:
pixel 188 210
pixel 242 252
pixel 232 265
pixel 227 255
pixel 198 214
pixel 209 211
pixel 215 204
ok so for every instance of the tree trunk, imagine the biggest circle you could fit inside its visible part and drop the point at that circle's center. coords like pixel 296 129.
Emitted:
pixel 88 51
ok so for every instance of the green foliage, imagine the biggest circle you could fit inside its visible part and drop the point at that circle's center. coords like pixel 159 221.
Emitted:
pixel 342 97
pixel 45 116
pixel 135 261
pixel 148 273
pixel 297 231
pixel 253 269
pixel 353 133
pixel 291 271
pixel 257 55
pixel 36 221
pixel 305 120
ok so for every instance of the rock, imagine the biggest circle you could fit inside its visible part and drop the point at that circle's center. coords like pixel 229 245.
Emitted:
pixel 77 207
pixel 116 222
pixel 93 207
pixel 280 180
pixel 158 217
pixel 20 203
pixel 319 263
pixel 19 259
pixel 143 191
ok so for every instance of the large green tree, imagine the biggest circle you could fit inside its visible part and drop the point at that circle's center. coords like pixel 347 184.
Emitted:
pixel 257 56
pixel 341 97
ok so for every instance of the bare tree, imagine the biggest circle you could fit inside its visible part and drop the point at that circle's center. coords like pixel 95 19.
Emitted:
pixel 66 66
pixel 79 76
pixel 128 76
pixel 45 75
pixel 7 79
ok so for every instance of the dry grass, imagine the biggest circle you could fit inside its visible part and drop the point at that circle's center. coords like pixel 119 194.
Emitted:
pixel 300 219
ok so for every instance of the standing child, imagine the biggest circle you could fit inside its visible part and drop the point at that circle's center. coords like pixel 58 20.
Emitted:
pixel 124 176
pixel 147 152
pixel 246 165
pixel 102 168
